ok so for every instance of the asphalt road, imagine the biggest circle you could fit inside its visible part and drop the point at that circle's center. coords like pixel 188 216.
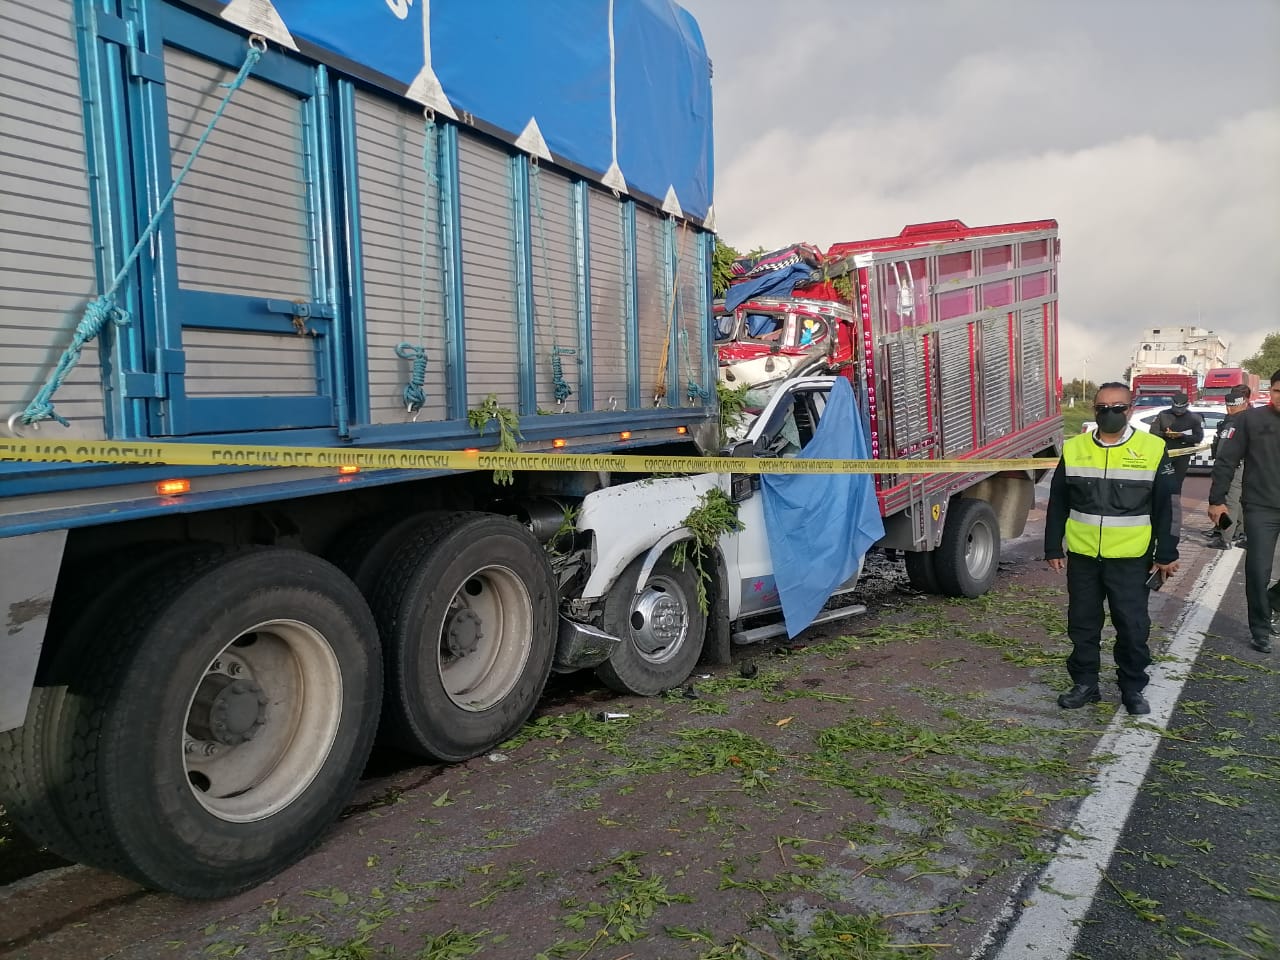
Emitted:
pixel 892 786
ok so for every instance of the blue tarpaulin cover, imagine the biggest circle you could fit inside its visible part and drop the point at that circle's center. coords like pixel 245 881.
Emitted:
pixel 566 64
pixel 820 527
pixel 780 283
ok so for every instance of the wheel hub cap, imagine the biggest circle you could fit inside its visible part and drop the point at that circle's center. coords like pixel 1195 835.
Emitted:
pixel 657 620
pixel 227 711
pixel 464 633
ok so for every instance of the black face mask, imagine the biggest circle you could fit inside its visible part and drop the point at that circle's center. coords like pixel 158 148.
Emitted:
pixel 1111 421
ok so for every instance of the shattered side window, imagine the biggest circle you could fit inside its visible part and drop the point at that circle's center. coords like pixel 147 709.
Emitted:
pixel 725 325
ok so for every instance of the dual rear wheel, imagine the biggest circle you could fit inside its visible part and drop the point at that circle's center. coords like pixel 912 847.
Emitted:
pixel 208 712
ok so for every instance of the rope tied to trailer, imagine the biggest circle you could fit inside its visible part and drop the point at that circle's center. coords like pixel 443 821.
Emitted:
pixel 696 390
pixel 560 386
pixel 414 392
pixel 660 387
pixel 103 309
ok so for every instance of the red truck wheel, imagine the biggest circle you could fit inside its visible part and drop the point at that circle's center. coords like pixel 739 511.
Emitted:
pixel 968 558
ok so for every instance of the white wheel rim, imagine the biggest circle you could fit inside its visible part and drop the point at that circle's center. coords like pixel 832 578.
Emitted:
pixel 486 638
pixel 243 766
pixel 979 550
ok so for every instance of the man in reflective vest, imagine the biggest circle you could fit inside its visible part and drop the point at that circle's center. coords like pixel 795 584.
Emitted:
pixel 1111 500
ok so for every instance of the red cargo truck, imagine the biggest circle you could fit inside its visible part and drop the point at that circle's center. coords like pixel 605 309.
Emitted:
pixel 949 335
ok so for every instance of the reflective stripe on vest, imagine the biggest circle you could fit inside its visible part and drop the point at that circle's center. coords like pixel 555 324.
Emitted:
pixel 1109 494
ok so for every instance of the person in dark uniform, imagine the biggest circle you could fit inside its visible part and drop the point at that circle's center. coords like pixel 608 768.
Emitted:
pixel 1179 428
pixel 1254 440
pixel 1111 500
pixel 1223 538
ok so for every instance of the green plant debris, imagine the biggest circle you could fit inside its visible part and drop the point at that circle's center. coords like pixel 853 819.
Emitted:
pixel 733 407
pixel 452 945
pixel 508 422
pixel 713 517
pixel 623 917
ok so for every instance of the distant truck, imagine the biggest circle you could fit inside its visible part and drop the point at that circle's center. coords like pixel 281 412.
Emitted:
pixel 1158 389
pixel 1219 381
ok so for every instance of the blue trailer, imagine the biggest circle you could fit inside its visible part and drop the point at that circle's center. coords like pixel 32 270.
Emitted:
pixel 338 224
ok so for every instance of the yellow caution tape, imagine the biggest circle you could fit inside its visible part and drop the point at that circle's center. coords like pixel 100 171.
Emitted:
pixel 388 458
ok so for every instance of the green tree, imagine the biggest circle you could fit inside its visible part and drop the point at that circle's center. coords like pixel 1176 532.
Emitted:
pixel 1267 360
pixel 1073 391
pixel 721 260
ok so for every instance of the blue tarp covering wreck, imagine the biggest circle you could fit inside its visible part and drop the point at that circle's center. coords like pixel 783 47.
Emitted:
pixel 582 82
pixel 813 557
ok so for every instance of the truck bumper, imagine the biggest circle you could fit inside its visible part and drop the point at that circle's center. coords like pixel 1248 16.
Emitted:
pixel 28 573
pixel 581 645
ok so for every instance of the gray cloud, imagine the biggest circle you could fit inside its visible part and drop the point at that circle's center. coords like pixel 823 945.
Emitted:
pixel 1149 128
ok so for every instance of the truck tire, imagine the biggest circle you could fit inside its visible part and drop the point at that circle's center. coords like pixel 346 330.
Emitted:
pixel 363 550
pixel 967 560
pixel 467 611
pixel 661 626
pixel 33 768
pixel 229 708
pixel 921 571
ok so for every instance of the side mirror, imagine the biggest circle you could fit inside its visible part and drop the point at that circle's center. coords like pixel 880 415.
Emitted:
pixel 743 448
pixel 742 485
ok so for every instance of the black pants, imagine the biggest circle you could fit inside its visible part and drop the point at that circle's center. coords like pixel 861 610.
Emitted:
pixel 1261 529
pixel 1180 467
pixel 1123 584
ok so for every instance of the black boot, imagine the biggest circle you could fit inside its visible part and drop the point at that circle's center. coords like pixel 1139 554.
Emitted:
pixel 1136 704
pixel 1079 695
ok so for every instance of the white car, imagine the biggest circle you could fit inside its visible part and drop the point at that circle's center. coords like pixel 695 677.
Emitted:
pixel 1210 413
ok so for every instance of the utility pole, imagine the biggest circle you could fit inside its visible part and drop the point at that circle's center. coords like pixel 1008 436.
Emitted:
pixel 1084 376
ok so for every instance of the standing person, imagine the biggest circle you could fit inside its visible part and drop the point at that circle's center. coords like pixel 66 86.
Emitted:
pixel 1222 538
pixel 1254 440
pixel 1180 429
pixel 1111 498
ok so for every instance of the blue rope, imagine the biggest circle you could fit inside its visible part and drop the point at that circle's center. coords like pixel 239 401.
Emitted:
pixel 562 389
pixel 414 394
pixel 696 390
pixel 104 308
pixel 560 385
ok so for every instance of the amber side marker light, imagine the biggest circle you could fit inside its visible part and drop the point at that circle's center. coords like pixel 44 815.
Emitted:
pixel 171 488
pixel 559 443
pixel 682 430
pixel 625 435
pixel 347 469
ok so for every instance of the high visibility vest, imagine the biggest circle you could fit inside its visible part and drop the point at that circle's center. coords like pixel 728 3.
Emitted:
pixel 1109 494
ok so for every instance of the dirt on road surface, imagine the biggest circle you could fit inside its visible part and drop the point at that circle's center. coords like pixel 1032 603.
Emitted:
pixel 879 788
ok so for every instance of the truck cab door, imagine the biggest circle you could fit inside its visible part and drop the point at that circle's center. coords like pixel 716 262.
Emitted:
pixel 781 431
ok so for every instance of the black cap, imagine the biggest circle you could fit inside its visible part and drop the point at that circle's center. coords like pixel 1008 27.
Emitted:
pixel 1235 395
pixel 1179 399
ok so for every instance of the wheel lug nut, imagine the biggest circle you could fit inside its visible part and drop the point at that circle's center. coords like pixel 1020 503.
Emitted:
pixel 216 665
pixel 233 668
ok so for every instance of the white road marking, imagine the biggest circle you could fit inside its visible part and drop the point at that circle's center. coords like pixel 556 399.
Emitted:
pixel 1048 926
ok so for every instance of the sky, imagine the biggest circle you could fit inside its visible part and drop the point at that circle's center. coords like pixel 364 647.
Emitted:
pixel 1149 129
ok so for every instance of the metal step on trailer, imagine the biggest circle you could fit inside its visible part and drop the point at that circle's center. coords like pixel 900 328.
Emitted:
pixel 756 634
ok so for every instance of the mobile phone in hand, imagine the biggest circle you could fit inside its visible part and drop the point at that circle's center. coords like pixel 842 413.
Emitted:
pixel 1156 580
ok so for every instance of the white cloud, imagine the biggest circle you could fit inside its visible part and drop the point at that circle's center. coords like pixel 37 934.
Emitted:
pixel 1149 129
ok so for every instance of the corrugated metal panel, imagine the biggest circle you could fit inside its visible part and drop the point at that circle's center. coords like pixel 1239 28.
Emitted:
pixel 608 302
pixel 240 216
pixel 956 393
pixel 692 309
pixel 555 282
pixel 1035 397
pixel 997 403
pixel 907 408
pixel 390 140
pixel 47 268
pixel 654 295
pixel 235 363
pixel 488 271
